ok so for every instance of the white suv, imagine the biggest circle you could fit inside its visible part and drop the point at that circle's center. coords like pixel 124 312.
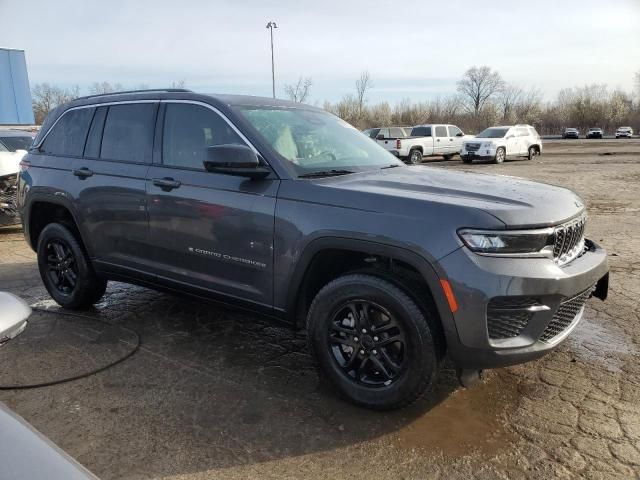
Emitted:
pixel 501 143
pixel 626 132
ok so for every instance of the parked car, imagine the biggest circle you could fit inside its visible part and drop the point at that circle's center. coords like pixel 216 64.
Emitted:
pixel 624 132
pixel 571 133
pixel 594 132
pixel 27 454
pixel 386 133
pixel 501 143
pixel 287 210
pixel 14 313
pixel 13 146
pixel 427 141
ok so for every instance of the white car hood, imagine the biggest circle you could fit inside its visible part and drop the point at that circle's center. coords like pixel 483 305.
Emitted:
pixel 14 313
pixel 10 162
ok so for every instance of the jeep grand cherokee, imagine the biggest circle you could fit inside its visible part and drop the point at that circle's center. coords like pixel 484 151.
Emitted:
pixel 287 210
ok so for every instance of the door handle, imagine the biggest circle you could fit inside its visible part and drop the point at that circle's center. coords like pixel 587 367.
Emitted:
pixel 438 140
pixel 166 183
pixel 82 173
pixel 451 139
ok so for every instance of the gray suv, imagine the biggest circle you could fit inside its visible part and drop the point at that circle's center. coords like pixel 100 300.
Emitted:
pixel 287 210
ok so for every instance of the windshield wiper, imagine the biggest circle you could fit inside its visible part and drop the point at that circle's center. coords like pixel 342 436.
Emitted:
pixel 325 173
pixel 389 166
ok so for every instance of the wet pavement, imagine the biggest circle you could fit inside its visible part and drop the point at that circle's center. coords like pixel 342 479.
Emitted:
pixel 215 393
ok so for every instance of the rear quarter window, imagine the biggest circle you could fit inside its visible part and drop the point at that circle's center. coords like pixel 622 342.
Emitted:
pixel 68 135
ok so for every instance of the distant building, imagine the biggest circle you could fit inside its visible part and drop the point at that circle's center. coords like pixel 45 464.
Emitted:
pixel 15 96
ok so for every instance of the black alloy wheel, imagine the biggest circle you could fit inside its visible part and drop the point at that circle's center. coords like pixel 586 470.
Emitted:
pixel 367 343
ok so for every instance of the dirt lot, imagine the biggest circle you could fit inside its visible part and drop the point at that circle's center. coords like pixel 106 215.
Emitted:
pixel 213 393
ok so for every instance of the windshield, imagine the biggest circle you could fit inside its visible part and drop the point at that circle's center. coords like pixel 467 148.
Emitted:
pixel 17 143
pixel 493 133
pixel 315 141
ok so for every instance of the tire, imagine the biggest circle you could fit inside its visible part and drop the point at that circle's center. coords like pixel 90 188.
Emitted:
pixel 415 157
pixel 366 369
pixel 500 155
pixel 533 152
pixel 467 160
pixel 66 270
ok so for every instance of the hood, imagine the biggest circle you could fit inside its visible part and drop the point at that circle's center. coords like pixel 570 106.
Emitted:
pixel 10 162
pixel 516 202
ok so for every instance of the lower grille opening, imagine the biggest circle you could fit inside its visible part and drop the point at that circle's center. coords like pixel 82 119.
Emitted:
pixel 565 315
pixel 507 317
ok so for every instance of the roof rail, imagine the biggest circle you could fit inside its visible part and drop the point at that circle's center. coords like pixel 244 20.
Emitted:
pixel 150 90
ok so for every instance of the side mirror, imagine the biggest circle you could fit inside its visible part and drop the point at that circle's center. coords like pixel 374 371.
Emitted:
pixel 238 160
pixel 459 134
pixel 379 137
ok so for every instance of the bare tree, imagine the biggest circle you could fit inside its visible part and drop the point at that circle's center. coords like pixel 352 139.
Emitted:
pixel 300 91
pixel 508 97
pixel 100 88
pixel 637 85
pixel 478 85
pixel 363 84
pixel 46 97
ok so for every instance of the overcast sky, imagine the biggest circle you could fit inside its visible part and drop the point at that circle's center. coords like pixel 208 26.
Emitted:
pixel 413 49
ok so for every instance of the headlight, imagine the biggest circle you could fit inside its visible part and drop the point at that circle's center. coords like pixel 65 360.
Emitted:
pixel 528 243
pixel 487 145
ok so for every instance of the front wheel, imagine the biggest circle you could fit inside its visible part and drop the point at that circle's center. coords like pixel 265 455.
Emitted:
pixel 500 155
pixel 448 156
pixel 415 157
pixel 371 342
pixel 66 270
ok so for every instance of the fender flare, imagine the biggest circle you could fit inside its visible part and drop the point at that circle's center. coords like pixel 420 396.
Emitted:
pixel 61 200
pixel 425 267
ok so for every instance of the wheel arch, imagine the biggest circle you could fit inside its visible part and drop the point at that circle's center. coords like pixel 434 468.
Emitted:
pixel 42 209
pixel 351 255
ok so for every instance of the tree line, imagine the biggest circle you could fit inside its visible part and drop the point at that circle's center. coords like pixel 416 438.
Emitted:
pixel 482 98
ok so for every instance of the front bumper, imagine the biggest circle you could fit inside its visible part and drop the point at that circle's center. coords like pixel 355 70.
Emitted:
pixel 479 281
pixel 482 154
pixel 594 135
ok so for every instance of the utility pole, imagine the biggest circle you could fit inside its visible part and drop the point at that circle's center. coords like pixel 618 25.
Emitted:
pixel 271 25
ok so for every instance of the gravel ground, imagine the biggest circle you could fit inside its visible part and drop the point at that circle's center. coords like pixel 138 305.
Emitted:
pixel 214 393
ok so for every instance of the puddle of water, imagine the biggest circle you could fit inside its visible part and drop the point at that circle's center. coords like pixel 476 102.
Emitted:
pixel 601 343
pixel 468 420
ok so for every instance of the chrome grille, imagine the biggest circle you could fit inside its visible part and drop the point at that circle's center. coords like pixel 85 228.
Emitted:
pixel 472 147
pixel 569 240
pixel 565 315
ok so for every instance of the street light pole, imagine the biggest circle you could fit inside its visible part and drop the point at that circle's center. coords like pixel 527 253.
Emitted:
pixel 271 26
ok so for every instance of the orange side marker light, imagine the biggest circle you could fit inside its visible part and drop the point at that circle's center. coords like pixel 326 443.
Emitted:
pixel 448 292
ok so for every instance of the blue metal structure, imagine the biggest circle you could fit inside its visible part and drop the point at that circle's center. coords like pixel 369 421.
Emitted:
pixel 15 96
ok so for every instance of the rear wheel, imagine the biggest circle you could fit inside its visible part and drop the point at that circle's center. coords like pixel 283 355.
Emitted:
pixel 372 343
pixel 500 155
pixel 448 156
pixel 66 270
pixel 415 157
pixel 533 151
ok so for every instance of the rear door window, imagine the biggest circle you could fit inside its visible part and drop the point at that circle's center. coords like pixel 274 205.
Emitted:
pixel 128 133
pixel 68 135
pixel 421 132
pixel 441 131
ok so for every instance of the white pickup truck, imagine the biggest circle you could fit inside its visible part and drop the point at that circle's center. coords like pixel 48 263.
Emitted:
pixel 426 141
